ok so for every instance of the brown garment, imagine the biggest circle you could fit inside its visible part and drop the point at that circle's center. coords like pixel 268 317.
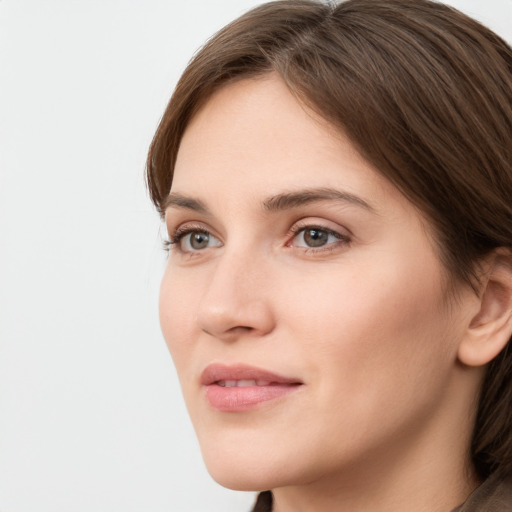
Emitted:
pixel 494 495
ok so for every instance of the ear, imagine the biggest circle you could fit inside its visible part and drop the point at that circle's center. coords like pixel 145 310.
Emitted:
pixel 491 327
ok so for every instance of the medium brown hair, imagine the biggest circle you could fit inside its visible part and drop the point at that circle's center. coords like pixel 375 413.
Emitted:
pixel 424 93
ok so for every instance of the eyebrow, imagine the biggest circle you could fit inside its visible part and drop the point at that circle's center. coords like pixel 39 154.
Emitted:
pixel 289 200
pixel 279 202
pixel 175 200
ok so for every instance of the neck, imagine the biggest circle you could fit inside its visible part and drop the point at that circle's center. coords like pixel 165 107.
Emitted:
pixel 422 490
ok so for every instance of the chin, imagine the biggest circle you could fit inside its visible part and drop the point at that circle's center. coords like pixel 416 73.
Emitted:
pixel 240 472
pixel 241 482
pixel 246 469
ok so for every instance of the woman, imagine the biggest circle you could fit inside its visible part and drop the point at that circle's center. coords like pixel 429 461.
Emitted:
pixel 336 183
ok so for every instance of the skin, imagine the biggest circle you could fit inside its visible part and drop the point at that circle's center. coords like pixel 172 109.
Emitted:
pixel 383 419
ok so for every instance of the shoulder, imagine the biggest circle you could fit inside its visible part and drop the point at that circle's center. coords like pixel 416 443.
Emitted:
pixel 494 495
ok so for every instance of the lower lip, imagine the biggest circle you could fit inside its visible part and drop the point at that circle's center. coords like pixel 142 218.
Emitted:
pixel 243 398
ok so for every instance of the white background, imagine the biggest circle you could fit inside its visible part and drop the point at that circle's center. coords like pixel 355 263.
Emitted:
pixel 91 416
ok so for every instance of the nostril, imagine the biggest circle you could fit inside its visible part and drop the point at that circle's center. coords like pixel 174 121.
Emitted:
pixel 243 328
pixel 234 333
pixel 227 313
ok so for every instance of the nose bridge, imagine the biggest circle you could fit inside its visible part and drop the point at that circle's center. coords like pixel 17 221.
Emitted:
pixel 235 299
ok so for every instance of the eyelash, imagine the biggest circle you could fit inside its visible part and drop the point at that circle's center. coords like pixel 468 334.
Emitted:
pixel 182 232
pixel 343 239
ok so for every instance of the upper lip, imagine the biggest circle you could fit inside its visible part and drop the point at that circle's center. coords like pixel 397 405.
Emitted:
pixel 220 372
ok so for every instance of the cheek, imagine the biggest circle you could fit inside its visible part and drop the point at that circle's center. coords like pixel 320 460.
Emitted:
pixel 377 348
pixel 176 308
pixel 381 332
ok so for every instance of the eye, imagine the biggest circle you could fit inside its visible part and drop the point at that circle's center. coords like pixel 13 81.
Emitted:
pixel 193 240
pixel 314 237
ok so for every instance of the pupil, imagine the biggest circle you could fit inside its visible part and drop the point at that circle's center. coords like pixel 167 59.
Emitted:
pixel 315 237
pixel 199 240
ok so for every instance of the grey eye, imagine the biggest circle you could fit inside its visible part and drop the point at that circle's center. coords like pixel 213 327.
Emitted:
pixel 315 237
pixel 199 240
pixel 318 237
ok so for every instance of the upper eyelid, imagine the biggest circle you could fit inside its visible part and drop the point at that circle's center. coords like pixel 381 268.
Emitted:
pixel 299 229
pixel 184 229
pixel 176 225
pixel 321 224
pixel 299 224
pixel 338 234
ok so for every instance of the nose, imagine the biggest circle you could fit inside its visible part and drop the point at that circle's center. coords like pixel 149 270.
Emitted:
pixel 237 300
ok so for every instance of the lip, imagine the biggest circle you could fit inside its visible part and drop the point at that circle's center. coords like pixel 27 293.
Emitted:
pixel 229 398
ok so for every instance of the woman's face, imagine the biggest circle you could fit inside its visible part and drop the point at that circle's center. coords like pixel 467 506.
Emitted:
pixel 303 302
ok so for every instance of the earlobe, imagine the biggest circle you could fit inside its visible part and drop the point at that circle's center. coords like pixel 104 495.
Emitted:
pixel 491 327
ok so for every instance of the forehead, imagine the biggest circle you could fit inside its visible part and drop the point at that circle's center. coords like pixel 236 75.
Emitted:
pixel 254 139
pixel 257 129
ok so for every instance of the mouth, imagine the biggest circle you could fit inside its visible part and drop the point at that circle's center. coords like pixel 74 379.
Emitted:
pixel 243 383
pixel 240 388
